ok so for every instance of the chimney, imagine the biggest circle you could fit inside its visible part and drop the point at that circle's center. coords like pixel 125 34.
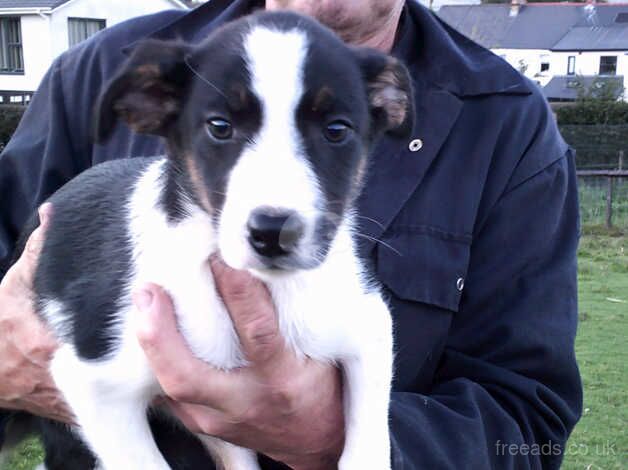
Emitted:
pixel 515 6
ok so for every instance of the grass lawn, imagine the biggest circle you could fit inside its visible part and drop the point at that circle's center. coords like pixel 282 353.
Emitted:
pixel 600 441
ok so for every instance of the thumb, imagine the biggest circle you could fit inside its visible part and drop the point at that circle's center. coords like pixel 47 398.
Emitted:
pixel 26 265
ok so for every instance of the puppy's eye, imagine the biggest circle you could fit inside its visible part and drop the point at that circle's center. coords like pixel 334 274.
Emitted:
pixel 219 128
pixel 336 131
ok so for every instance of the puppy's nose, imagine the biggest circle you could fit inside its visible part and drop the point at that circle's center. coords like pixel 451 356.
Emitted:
pixel 274 232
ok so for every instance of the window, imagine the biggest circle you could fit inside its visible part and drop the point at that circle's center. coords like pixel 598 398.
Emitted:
pixel 80 29
pixel 545 63
pixel 621 18
pixel 608 65
pixel 11 59
pixel 571 65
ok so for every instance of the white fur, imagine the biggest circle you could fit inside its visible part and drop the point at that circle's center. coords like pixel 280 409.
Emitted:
pixel 327 313
pixel 272 171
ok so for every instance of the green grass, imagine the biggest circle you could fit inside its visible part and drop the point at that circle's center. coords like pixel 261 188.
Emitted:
pixel 600 441
pixel 26 457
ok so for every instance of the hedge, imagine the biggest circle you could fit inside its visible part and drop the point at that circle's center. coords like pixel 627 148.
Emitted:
pixel 10 116
pixel 597 146
pixel 597 129
pixel 592 112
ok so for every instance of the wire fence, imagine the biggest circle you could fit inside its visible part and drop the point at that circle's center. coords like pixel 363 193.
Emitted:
pixel 602 162
pixel 594 202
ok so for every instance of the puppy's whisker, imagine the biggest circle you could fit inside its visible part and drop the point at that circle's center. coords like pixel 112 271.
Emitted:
pixel 376 222
pixel 377 240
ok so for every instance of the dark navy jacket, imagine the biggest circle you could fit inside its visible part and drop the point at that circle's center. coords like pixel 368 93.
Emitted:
pixel 482 216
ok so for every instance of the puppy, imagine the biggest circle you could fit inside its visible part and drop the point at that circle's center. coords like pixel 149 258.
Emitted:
pixel 268 125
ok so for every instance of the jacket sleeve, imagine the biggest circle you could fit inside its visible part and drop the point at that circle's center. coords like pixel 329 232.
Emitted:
pixel 507 390
pixel 40 157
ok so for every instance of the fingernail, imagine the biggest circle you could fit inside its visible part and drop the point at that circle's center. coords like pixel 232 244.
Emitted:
pixel 43 211
pixel 143 299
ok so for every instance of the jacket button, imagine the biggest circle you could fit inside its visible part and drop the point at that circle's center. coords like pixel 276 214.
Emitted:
pixel 415 145
pixel 460 284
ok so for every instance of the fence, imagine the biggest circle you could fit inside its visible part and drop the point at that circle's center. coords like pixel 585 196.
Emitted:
pixel 602 163
pixel 604 196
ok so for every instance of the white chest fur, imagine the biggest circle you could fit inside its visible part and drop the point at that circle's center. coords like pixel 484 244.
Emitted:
pixel 317 309
pixel 324 313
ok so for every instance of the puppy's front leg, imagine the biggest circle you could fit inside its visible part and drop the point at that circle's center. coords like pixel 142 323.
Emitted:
pixel 368 377
pixel 111 417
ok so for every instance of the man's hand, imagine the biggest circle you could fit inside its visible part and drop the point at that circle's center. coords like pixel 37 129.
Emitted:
pixel 283 406
pixel 26 347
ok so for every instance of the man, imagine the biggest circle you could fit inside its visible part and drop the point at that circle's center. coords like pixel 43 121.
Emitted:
pixel 478 221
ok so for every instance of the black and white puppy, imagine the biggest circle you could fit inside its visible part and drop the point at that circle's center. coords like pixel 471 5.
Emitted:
pixel 268 125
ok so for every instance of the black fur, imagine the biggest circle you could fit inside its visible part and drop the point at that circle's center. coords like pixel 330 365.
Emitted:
pixel 85 260
pixel 181 449
pixel 171 89
pixel 212 80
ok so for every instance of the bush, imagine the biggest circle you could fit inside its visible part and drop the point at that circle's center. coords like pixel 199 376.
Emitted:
pixel 591 112
pixel 596 128
pixel 10 116
pixel 597 146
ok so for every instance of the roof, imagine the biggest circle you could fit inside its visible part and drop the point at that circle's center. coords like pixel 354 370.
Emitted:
pixel 554 26
pixel 603 38
pixel 32 3
pixel 46 4
pixel 569 87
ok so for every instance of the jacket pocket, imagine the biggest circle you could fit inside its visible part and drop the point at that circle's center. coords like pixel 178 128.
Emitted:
pixel 425 265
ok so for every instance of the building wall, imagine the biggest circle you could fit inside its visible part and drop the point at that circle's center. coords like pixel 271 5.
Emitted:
pixel 436 4
pixel 528 61
pixel 36 54
pixel 44 37
pixel 113 11
pixel 587 63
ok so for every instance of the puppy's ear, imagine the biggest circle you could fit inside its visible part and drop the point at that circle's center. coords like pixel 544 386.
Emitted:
pixel 389 90
pixel 147 92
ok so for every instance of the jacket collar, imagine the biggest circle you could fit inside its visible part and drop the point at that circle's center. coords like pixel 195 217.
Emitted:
pixel 445 66
pixel 445 58
pixel 451 61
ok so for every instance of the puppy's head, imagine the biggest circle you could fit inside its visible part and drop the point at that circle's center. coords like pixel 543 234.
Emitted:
pixel 268 123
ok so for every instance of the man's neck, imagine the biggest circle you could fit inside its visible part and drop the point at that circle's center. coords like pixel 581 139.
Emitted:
pixel 378 34
pixel 383 36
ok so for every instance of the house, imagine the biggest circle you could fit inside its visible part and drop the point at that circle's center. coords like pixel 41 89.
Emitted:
pixel 436 4
pixel 34 32
pixel 547 41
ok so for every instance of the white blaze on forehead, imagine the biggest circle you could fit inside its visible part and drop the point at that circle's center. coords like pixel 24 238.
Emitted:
pixel 273 170
pixel 276 60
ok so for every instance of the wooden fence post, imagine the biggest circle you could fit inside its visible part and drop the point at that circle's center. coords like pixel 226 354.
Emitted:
pixel 609 202
pixel 621 160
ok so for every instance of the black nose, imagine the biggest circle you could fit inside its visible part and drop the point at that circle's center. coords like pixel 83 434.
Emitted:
pixel 274 232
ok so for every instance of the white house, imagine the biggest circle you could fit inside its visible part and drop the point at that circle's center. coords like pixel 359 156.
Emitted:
pixel 34 32
pixel 436 4
pixel 551 43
